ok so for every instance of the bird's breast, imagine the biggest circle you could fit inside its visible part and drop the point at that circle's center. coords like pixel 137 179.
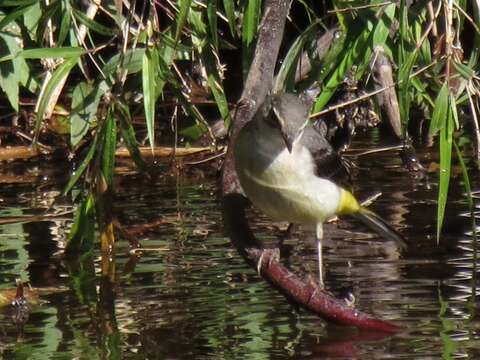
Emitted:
pixel 284 185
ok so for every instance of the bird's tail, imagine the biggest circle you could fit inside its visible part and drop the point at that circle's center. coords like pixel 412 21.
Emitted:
pixel 377 224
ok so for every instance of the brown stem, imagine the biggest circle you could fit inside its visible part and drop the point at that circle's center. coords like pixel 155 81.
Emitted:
pixel 259 82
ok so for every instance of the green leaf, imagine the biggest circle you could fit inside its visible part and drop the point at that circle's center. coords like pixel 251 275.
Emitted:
pixel 446 135
pixel 464 70
pixel 109 147
pixel 212 22
pixel 47 14
pixel 214 80
pixel 11 17
pixel 182 17
pixel 165 57
pixel 382 28
pixel 404 86
pixel 132 62
pixel 355 47
pixel 85 100
pixel 65 24
pixel 94 25
pixel 9 78
pixel 57 77
pixel 31 19
pixel 82 234
pixel 17 2
pixel 440 109
pixel 83 166
pixel 149 71
pixel 251 18
pixel 288 68
pixel 128 134
pixel 229 7
pixel 46 53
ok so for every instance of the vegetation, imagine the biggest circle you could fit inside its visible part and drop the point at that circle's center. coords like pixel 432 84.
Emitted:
pixel 90 68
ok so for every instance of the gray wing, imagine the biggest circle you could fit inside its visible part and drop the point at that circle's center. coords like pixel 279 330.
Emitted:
pixel 329 164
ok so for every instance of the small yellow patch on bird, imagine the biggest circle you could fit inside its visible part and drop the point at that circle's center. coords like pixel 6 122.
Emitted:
pixel 348 203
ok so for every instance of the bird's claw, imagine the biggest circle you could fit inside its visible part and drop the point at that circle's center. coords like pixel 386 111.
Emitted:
pixel 271 254
pixel 346 294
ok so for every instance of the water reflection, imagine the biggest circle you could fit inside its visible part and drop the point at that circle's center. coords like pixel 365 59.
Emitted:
pixel 192 296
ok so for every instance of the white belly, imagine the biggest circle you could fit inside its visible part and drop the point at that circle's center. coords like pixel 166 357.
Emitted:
pixel 286 188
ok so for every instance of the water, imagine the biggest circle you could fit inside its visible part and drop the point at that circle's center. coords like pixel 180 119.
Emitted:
pixel 193 297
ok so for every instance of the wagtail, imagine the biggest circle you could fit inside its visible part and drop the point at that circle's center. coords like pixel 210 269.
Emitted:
pixel 276 156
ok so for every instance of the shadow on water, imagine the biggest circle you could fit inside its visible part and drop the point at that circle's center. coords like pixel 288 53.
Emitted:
pixel 192 296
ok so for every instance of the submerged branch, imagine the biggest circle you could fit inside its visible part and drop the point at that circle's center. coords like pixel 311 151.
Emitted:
pixel 258 83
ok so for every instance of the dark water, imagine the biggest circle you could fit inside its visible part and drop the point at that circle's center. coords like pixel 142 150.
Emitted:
pixel 193 297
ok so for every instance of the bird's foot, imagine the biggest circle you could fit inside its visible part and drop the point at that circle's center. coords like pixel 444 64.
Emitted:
pixel 269 255
pixel 346 294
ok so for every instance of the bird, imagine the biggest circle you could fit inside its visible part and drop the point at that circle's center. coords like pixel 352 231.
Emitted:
pixel 278 159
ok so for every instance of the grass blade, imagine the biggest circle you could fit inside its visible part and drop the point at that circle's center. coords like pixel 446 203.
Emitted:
pixel 251 18
pixel 93 25
pixel 83 166
pixel 109 147
pixel 215 82
pixel 82 234
pixel 446 135
pixel 229 7
pixel 182 17
pixel 56 80
pixel 85 100
pixel 149 71
pixel 128 134
pixel 212 22
pixel 440 109
pixel 46 53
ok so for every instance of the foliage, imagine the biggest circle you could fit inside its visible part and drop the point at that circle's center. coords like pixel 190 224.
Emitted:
pixel 105 61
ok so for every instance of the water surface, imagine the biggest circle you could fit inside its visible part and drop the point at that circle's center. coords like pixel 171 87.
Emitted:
pixel 193 297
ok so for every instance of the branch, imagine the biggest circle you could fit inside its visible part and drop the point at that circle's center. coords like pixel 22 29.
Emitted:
pixel 259 82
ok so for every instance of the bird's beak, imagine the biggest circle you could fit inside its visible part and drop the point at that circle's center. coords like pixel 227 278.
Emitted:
pixel 288 141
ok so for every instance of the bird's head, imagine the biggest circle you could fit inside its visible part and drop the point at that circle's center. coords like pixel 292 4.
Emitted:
pixel 291 116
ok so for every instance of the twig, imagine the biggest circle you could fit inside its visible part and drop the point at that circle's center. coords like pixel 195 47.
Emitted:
pixel 216 156
pixel 373 151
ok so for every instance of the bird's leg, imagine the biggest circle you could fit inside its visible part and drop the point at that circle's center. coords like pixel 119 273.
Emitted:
pixel 272 254
pixel 319 254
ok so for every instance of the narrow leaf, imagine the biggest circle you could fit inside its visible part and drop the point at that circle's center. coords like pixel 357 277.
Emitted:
pixel 404 86
pixel 182 17
pixel 11 17
pixel 65 26
pixel 229 7
pixel 440 109
pixel 93 25
pixel 215 82
pixel 128 134
pixel 355 47
pixel 251 18
pixel 109 147
pixel 57 77
pixel 83 166
pixel 446 134
pixel 82 234
pixel 85 100
pixel 149 71
pixel 46 53
pixel 212 22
